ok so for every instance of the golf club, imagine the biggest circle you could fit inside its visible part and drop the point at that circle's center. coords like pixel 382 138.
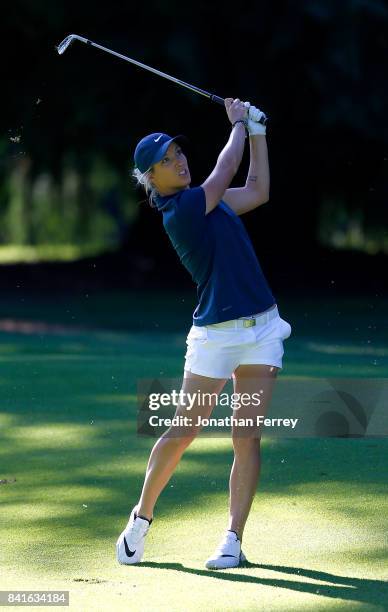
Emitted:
pixel 61 48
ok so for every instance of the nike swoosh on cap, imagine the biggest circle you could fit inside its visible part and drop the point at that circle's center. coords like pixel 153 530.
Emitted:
pixel 128 552
pixel 158 138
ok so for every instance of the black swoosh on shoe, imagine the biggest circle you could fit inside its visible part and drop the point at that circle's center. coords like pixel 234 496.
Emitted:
pixel 128 552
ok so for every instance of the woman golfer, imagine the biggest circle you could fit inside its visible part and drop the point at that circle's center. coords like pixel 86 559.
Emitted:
pixel 237 331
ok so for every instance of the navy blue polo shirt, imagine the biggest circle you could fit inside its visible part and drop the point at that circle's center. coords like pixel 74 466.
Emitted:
pixel 218 253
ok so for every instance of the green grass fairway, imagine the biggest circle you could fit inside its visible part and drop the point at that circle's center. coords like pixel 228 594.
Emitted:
pixel 316 538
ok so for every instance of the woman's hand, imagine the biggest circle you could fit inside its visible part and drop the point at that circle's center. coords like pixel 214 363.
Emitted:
pixel 235 109
pixel 254 116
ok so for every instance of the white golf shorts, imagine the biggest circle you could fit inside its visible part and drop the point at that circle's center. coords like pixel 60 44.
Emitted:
pixel 217 350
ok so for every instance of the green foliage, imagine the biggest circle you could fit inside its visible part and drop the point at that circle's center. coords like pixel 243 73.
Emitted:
pixel 342 227
pixel 84 212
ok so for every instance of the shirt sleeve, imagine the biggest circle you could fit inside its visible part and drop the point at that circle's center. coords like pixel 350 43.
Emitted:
pixel 191 207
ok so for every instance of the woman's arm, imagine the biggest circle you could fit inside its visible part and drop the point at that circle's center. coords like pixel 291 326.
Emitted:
pixel 226 167
pixel 230 157
pixel 256 190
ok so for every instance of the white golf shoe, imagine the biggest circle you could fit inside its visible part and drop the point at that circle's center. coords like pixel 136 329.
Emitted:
pixel 130 543
pixel 228 554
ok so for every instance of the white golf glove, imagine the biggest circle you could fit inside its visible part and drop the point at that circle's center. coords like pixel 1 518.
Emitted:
pixel 254 116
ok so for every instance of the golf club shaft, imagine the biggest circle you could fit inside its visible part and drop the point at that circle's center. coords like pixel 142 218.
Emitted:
pixel 211 97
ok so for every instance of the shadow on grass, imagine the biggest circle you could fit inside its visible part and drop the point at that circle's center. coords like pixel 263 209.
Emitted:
pixel 149 311
pixel 361 590
pixel 105 469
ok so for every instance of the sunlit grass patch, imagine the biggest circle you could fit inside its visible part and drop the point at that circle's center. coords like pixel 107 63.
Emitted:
pixel 48 252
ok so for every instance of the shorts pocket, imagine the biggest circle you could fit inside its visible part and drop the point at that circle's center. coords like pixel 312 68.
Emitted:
pixel 286 329
pixel 197 334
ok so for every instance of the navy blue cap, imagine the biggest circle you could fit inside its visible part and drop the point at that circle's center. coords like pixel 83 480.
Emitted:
pixel 152 148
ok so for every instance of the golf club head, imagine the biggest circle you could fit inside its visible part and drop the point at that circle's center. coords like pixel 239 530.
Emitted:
pixel 61 48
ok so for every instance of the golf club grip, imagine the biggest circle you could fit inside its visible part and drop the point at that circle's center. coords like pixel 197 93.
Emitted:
pixel 217 99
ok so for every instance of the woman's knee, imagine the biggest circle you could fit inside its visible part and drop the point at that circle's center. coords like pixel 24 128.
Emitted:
pixel 177 439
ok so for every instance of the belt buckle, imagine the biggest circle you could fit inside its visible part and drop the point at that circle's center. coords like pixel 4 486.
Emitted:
pixel 249 322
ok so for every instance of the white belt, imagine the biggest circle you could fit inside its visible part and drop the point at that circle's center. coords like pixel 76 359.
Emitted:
pixel 260 318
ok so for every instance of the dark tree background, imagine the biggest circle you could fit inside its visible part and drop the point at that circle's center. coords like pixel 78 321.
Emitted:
pixel 317 67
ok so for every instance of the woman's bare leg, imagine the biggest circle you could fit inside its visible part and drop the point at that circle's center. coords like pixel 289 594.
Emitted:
pixel 245 472
pixel 168 450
